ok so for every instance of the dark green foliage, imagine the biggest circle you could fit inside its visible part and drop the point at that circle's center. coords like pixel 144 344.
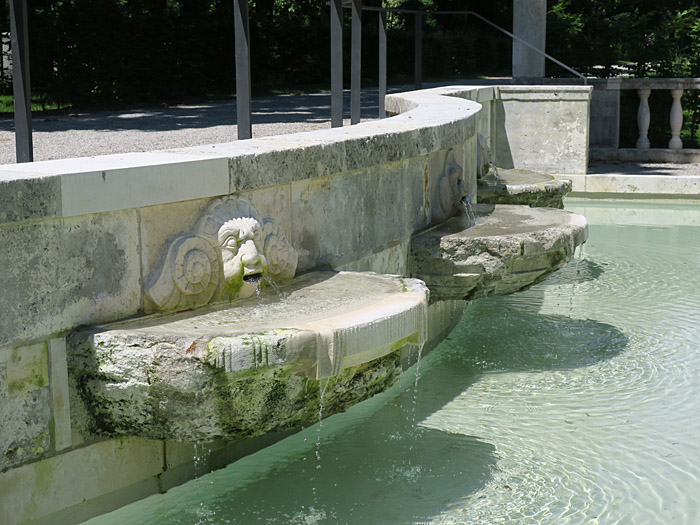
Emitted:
pixel 106 52
pixel 117 52
pixel 647 37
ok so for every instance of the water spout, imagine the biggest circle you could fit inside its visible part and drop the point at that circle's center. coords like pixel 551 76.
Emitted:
pixel 256 280
pixel 495 169
pixel 469 211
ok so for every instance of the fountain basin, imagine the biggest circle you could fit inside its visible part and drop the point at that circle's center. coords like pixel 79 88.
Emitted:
pixel 249 367
pixel 526 187
pixel 510 248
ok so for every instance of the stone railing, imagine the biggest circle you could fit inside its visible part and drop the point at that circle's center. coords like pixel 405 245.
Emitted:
pixel 605 120
pixel 644 87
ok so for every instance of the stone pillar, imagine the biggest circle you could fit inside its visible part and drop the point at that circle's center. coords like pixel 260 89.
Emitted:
pixel 530 25
pixel 676 120
pixel 643 119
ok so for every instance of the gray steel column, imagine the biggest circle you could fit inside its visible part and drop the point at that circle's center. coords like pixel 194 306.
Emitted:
pixel 382 64
pixel 356 63
pixel 20 81
pixel 419 51
pixel 336 63
pixel 242 41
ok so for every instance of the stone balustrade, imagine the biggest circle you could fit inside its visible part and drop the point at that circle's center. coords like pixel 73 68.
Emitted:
pixel 605 120
pixel 644 87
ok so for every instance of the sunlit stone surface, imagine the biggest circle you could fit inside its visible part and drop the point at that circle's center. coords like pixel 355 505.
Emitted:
pixel 509 248
pixel 251 366
pixel 523 187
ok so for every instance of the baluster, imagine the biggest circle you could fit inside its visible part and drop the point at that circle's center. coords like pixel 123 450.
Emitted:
pixel 676 120
pixel 643 118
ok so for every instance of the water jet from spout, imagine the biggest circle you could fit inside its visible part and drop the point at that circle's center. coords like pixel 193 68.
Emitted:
pixel 469 211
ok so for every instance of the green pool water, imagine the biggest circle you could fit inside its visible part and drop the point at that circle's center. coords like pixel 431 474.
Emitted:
pixel 576 401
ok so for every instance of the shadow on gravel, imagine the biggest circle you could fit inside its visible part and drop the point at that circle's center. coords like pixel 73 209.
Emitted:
pixel 268 110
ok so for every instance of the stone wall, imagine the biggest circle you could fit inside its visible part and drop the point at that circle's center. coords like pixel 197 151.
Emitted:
pixel 80 237
pixel 542 129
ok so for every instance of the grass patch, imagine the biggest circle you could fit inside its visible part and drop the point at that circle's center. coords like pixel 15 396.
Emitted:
pixel 7 104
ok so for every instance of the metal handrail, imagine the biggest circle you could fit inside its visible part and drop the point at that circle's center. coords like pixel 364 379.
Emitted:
pixel 336 52
pixel 485 20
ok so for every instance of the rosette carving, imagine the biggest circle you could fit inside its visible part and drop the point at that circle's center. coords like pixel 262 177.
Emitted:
pixel 281 257
pixel 189 277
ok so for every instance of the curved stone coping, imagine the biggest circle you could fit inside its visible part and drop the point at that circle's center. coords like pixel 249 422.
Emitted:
pixel 510 247
pixel 523 187
pixel 429 120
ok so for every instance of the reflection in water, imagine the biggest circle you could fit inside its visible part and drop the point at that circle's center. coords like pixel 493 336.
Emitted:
pixel 373 466
pixel 572 402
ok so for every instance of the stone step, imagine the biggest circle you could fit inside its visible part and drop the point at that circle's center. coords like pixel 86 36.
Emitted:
pixel 509 248
pixel 251 366
pixel 531 188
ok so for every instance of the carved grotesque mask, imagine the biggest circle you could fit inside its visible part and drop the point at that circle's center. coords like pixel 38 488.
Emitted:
pixel 242 245
pixel 224 258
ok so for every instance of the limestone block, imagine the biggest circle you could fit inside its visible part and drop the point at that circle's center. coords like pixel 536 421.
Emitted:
pixel 509 248
pixel 62 273
pixel 26 197
pixel 35 490
pixel 245 369
pixel 160 224
pixel 542 129
pixel 283 160
pixel 442 318
pixel 391 260
pixel 337 220
pixel 605 114
pixel 483 121
pixel 688 186
pixel 524 187
pixel 389 147
pixel 530 25
pixel 60 397
pixel 24 405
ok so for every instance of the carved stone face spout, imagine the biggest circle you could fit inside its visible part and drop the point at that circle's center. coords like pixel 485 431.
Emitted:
pixel 241 242
pixel 224 258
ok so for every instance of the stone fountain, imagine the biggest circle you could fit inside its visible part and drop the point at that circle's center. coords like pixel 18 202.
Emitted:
pixel 160 300
pixel 217 360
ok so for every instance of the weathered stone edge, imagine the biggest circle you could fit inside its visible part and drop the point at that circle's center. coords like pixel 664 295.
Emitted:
pixel 429 120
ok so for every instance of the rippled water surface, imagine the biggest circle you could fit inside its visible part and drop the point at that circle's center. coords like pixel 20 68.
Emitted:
pixel 576 401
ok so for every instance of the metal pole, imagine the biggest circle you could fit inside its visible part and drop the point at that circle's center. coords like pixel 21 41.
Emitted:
pixel 336 63
pixel 20 80
pixel 242 41
pixel 419 51
pixel 356 63
pixel 382 64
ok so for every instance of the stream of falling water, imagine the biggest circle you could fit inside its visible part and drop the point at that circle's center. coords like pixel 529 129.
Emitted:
pixel 545 406
pixel 269 280
pixel 469 211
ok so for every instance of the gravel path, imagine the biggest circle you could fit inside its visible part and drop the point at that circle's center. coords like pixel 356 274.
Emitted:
pixel 105 132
